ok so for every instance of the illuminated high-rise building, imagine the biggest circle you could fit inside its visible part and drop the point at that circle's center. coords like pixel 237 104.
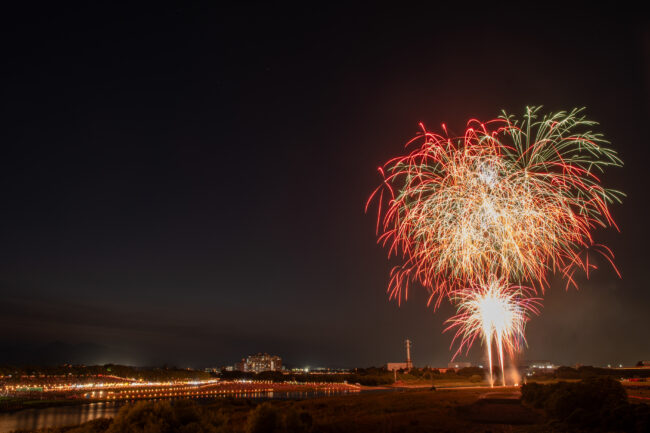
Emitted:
pixel 261 362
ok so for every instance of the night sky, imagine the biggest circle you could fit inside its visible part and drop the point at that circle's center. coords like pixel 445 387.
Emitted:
pixel 186 185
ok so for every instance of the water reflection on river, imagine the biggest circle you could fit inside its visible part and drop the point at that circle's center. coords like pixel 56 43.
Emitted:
pixel 30 419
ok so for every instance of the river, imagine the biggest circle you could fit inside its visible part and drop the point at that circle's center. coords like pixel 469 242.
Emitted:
pixel 31 419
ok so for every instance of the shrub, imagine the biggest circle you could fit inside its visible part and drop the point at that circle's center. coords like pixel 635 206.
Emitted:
pixel 470 371
pixel 597 402
pixel 476 378
pixel 265 418
pixel 183 416
pixel 95 426
pixel 297 422
pixel 567 373
pixel 535 394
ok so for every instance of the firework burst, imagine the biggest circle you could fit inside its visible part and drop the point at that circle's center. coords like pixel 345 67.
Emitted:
pixel 483 219
pixel 495 312
pixel 511 198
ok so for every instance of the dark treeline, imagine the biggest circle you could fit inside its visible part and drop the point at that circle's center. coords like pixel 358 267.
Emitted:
pixel 586 372
pixel 374 376
pixel 371 376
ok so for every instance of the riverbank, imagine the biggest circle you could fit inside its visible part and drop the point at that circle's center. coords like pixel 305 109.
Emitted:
pixel 245 389
pixel 398 410
pixel 14 404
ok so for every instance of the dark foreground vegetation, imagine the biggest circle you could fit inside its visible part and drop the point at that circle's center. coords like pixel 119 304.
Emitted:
pixel 381 412
pixel 594 404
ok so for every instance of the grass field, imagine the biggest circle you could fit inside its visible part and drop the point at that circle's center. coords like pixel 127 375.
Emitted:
pixel 407 411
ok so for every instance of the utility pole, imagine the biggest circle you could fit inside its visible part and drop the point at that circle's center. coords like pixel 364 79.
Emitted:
pixel 409 363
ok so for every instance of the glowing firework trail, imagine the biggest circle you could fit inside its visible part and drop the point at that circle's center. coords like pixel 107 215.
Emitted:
pixel 500 207
pixel 496 312
pixel 511 198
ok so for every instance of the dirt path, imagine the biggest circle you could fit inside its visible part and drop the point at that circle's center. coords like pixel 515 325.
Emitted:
pixel 499 407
